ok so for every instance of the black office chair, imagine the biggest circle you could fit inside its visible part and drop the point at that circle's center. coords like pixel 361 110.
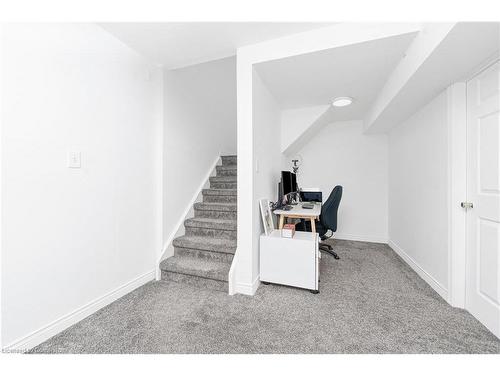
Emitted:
pixel 327 220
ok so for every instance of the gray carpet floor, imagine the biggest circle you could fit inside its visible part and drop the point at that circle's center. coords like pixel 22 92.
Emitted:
pixel 370 301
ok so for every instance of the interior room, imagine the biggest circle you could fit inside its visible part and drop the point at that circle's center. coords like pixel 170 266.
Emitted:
pixel 239 187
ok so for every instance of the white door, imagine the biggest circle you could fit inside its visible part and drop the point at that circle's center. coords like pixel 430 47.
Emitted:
pixel 483 191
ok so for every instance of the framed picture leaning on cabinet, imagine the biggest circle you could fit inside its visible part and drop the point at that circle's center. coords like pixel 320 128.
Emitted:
pixel 267 216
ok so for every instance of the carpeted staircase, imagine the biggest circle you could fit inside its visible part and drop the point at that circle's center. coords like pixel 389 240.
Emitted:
pixel 203 256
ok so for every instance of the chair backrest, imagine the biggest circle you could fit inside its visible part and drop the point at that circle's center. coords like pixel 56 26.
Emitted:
pixel 329 209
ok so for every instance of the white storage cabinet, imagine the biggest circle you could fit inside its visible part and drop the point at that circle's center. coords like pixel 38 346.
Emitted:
pixel 290 261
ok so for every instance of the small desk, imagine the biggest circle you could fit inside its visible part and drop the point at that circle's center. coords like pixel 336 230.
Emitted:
pixel 297 212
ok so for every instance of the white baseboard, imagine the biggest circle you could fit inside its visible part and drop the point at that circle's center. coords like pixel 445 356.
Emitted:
pixel 42 334
pixel 356 237
pixel 248 289
pixel 436 285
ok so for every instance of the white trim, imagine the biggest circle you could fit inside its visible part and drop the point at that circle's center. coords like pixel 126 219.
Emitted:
pixel 179 228
pixel 457 192
pixel 358 237
pixel 160 175
pixel 244 266
pixel 231 278
pixel 42 334
pixel 436 285
pixel 248 289
pixel 1 184
pixel 457 184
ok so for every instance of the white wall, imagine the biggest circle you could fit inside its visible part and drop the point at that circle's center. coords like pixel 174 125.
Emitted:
pixel 418 191
pixel 72 236
pixel 296 122
pixel 340 154
pixel 199 125
pixel 267 158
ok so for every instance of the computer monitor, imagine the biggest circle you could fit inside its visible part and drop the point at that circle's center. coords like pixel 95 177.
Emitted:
pixel 311 196
pixel 294 182
pixel 289 182
pixel 280 194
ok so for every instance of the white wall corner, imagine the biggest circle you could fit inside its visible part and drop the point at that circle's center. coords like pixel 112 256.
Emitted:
pixel 243 257
pixel 168 249
pixel 44 333
pixel 436 285
pixel 125 162
pixel 1 184
pixel 457 184
pixel 380 117
pixel 299 125
pixel 160 169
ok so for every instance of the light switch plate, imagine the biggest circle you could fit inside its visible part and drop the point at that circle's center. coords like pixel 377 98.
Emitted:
pixel 74 159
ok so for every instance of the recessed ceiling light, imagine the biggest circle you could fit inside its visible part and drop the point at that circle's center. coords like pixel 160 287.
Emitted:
pixel 342 101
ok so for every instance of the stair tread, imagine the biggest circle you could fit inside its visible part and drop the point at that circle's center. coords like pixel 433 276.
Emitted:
pixel 206 268
pixel 215 206
pixel 228 184
pixel 202 222
pixel 220 191
pixel 223 179
pixel 227 166
pixel 220 245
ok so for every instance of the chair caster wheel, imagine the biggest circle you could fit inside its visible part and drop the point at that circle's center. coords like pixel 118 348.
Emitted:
pixel 265 282
pixel 314 291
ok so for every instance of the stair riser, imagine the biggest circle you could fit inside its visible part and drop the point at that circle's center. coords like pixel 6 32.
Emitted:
pixel 226 172
pixel 210 214
pixel 229 160
pixel 203 254
pixel 216 233
pixel 199 282
pixel 220 198
pixel 223 185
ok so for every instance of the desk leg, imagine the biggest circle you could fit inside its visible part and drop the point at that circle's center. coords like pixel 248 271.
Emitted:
pixel 282 221
pixel 313 225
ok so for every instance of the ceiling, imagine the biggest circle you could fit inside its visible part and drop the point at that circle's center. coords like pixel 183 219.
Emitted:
pixel 180 44
pixel 358 71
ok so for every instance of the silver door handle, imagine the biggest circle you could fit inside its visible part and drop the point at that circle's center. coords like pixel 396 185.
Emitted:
pixel 467 205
